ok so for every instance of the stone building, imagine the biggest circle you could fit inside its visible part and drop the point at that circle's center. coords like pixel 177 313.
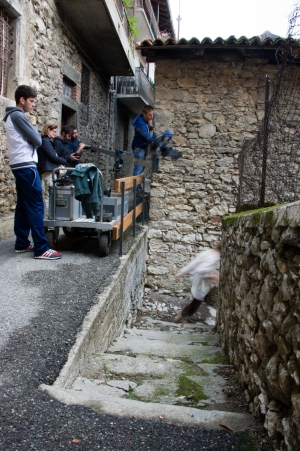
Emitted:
pixel 211 96
pixel 75 57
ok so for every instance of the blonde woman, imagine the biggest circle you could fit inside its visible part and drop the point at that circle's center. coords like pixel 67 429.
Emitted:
pixel 48 160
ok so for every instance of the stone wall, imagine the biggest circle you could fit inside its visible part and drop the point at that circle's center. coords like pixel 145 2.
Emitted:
pixel 259 314
pixel 116 309
pixel 7 184
pixel 210 106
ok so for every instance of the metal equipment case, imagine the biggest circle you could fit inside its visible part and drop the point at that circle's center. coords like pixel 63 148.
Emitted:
pixel 66 206
pixel 113 205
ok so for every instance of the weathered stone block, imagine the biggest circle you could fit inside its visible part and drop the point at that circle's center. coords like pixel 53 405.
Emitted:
pixel 186 82
pixel 207 131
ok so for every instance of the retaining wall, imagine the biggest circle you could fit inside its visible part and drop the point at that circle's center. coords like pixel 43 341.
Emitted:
pixel 116 309
pixel 259 314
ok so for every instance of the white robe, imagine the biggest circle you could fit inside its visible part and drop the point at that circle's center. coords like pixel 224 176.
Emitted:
pixel 203 266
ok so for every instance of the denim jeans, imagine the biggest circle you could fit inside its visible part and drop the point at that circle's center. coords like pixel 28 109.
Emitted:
pixel 138 153
pixel 29 212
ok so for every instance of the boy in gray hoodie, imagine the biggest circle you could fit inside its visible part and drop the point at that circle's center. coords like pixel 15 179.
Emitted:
pixel 22 142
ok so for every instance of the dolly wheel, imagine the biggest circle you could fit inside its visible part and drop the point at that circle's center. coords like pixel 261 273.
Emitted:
pixel 104 244
pixel 71 231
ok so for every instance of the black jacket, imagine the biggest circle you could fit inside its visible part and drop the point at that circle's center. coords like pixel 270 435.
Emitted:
pixel 48 159
pixel 62 149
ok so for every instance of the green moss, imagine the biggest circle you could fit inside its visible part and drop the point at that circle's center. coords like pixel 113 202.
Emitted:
pixel 247 440
pixel 190 389
pixel 218 359
pixel 133 396
pixel 161 391
pixel 193 370
pixel 227 221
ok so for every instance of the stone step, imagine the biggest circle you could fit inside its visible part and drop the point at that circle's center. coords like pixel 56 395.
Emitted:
pixel 183 344
pixel 160 371
pixel 111 405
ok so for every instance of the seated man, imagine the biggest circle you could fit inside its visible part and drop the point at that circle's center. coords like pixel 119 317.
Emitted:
pixel 62 148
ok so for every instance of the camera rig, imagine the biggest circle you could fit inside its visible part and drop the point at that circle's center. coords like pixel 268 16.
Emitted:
pixel 160 146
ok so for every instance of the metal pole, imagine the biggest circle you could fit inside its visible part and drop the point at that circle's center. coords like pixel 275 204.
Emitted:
pixel 101 203
pixel 241 175
pixel 122 218
pixel 265 144
pixel 143 203
pixel 178 19
pixel 134 207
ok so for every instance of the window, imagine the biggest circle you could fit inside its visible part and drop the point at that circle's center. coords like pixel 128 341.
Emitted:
pixel 85 85
pixel 85 93
pixel 5 51
pixel 68 116
pixel 68 88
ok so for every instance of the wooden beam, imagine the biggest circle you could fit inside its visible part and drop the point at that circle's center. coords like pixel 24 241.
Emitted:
pixel 128 182
pixel 128 219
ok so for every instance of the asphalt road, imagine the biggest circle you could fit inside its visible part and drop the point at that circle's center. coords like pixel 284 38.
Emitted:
pixel 42 307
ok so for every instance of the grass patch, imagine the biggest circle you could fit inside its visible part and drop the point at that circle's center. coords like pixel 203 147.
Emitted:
pixel 134 397
pixel 190 389
pixel 161 391
pixel 218 359
pixel 193 370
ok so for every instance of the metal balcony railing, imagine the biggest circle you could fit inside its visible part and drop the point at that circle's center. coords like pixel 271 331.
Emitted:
pixel 139 85
pixel 125 23
pixel 147 6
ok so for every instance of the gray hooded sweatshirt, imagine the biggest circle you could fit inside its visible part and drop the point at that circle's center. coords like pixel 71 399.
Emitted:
pixel 22 139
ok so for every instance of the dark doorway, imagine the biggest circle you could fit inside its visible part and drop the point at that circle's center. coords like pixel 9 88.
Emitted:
pixel 68 116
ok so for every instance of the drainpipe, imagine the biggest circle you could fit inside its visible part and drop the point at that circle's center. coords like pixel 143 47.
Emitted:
pixel 111 123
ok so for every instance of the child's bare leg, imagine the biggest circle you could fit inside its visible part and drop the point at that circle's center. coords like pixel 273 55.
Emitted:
pixel 188 310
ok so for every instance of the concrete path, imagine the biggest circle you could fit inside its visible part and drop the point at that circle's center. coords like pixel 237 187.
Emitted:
pixel 160 371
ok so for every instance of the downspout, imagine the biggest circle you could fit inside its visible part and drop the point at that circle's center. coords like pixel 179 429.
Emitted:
pixel 111 123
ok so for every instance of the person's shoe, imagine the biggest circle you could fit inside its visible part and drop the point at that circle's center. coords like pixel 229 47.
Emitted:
pixel 180 319
pixel 30 248
pixel 50 254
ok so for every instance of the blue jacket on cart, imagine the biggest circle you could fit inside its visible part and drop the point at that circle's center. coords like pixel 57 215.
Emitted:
pixel 88 189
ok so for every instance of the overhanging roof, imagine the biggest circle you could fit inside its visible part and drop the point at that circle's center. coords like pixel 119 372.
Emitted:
pixel 193 48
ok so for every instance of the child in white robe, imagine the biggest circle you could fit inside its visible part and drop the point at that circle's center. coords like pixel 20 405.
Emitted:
pixel 203 268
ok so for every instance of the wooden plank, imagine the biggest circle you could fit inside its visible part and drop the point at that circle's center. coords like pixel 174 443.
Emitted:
pixel 128 219
pixel 128 182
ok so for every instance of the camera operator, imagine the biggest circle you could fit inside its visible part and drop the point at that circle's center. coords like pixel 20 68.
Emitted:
pixel 142 136
pixel 76 146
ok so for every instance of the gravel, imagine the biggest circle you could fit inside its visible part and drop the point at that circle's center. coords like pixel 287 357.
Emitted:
pixel 43 305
